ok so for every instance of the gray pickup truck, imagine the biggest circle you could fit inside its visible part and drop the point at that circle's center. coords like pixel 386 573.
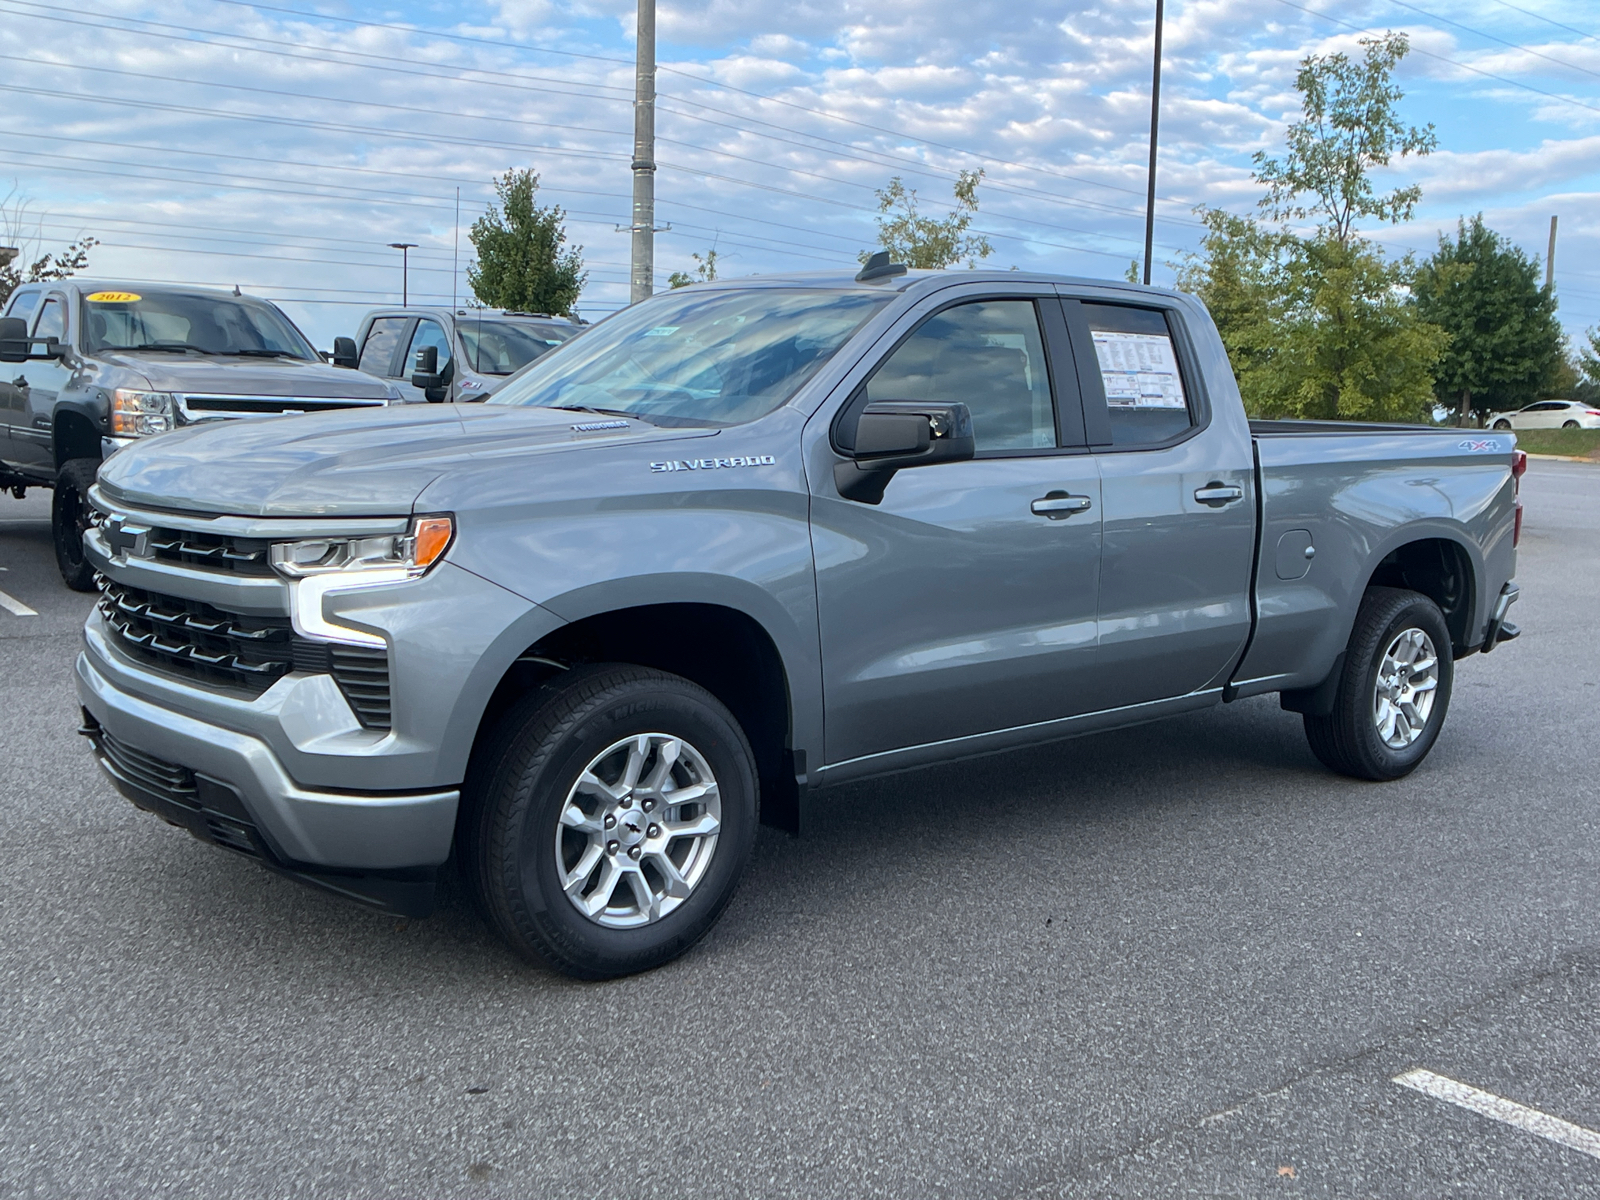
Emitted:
pixel 743 541
pixel 101 364
pixel 444 354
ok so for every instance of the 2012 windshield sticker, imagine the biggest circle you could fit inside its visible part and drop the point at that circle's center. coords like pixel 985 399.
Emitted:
pixel 714 464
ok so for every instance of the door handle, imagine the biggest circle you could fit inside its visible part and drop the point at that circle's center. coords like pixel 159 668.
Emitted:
pixel 1058 505
pixel 1217 494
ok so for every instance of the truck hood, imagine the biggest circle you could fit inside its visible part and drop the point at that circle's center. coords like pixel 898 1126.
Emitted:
pixel 249 376
pixel 364 462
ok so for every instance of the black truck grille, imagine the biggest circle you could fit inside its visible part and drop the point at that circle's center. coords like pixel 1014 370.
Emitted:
pixel 210 551
pixel 200 642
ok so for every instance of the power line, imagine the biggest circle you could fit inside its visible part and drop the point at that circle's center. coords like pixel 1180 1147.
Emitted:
pixel 1491 37
pixel 1528 12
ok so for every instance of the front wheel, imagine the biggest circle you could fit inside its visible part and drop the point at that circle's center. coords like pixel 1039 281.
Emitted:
pixel 607 821
pixel 1393 692
pixel 1502 424
pixel 69 521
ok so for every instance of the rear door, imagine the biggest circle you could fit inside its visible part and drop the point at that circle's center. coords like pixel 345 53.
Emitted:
pixel 1177 488
pixel 964 602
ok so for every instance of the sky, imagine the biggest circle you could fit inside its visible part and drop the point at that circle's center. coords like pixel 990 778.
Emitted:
pixel 281 147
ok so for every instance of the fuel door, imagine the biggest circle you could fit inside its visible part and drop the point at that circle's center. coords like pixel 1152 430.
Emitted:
pixel 1295 553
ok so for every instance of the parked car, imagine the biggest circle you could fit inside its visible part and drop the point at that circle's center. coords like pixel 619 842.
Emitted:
pixel 1549 414
pixel 104 364
pixel 467 353
pixel 744 541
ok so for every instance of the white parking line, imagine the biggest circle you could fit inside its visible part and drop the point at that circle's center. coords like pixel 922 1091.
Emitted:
pixel 1497 1108
pixel 13 605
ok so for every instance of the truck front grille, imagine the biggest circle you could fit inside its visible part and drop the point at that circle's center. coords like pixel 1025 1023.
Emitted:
pixel 197 641
pixel 210 552
pixel 241 406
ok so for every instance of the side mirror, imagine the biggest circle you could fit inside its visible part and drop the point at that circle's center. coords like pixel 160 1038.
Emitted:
pixel 13 340
pixel 892 435
pixel 425 375
pixel 344 352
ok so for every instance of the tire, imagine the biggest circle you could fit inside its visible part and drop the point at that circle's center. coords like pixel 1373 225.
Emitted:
pixel 526 778
pixel 69 521
pixel 1350 740
pixel 1502 424
pixel 1569 425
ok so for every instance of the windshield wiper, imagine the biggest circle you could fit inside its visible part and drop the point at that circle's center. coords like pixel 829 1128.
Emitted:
pixel 604 412
pixel 172 347
pixel 261 354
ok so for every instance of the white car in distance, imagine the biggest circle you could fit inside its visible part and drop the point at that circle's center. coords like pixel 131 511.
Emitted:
pixel 1549 414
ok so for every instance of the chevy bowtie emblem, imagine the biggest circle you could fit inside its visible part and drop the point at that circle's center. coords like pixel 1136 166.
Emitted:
pixel 126 538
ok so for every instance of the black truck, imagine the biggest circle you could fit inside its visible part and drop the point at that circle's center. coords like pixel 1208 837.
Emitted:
pixel 100 365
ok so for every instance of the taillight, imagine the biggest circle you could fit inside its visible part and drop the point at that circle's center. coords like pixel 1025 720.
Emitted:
pixel 1519 467
pixel 1591 412
pixel 1516 530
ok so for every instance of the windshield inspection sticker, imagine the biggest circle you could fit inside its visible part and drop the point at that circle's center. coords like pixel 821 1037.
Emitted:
pixel 712 464
pixel 113 297
pixel 1139 369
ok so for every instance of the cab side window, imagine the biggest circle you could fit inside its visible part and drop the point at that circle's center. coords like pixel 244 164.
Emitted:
pixel 23 305
pixel 1145 395
pixel 377 352
pixel 429 333
pixel 988 355
pixel 52 320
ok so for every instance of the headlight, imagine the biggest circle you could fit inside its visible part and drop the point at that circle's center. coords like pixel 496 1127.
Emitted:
pixel 137 414
pixel 321 566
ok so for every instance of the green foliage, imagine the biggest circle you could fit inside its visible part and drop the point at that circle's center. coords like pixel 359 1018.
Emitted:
pixel 928 242
pixel 1589 357
pixel 704 272
pixel 521 264
pixel 20 269
pixel 1349 126
pixel 1320 326
pixel 1505 343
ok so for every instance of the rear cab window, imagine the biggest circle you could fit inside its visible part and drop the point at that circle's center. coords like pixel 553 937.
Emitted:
pixel 1147 402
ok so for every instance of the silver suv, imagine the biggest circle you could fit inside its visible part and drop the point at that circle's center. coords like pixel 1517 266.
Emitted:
pixel 467 352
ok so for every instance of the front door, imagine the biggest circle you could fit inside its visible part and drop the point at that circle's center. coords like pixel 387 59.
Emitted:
pixel 964 602
pixel 428 333
pixel 1179 509
pixel 36 385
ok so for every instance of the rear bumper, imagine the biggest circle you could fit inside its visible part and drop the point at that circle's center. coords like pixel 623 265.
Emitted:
pixel 296 827
pixel 1499 628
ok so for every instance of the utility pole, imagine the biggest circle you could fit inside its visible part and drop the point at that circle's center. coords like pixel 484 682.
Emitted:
pixel 1155 120
pixel 455 257
pixel 1550 258
pixel 644 157
pixel 405 249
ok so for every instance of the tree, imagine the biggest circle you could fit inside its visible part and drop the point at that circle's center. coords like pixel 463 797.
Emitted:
pixel 1349 125
pixel 927 242
pixel 21 268
pixel 1319 325
pixel 705 270
pixel 521 265
pixel 1506 347
pixel 1589 357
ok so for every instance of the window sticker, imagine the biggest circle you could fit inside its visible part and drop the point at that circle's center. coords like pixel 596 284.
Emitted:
pixel 1139 369
pixel 113 298
pixel 661 331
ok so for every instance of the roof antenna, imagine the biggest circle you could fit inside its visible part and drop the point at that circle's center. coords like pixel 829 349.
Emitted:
pixel 236 290
pixel 879 267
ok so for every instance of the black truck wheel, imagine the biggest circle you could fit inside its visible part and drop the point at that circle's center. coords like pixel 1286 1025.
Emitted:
pixel 1393 692
pixel 69 521
pixel 607 820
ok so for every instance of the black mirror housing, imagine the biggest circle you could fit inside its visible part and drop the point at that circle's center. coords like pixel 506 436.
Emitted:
pixel 425 375
pixel 344 352
pixel 13 340
pixel 892 435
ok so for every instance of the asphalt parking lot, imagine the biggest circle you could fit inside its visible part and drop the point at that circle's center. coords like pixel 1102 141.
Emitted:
pixel 1180 960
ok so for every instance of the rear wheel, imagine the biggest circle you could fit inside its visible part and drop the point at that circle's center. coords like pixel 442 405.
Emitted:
pixel 69 521
pixel 607 822
pixel 1394 689
pixel 1569 425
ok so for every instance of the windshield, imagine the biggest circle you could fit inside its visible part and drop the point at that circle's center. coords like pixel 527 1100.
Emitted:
pixel 189 322
pixel 698 357
pixel 505 347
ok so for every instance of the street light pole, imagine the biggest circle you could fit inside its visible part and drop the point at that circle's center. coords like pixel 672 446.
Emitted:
pixel 405 249
pixel 642 275
pixel 1155 119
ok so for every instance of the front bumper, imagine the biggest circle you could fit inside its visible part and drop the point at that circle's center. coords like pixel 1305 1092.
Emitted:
pixel 298 827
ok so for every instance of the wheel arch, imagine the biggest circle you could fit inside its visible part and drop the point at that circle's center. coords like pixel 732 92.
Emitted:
pixel 74 434
pixel 1443 565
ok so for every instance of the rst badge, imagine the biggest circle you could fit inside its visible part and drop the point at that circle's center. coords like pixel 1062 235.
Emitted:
pixel 713 464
